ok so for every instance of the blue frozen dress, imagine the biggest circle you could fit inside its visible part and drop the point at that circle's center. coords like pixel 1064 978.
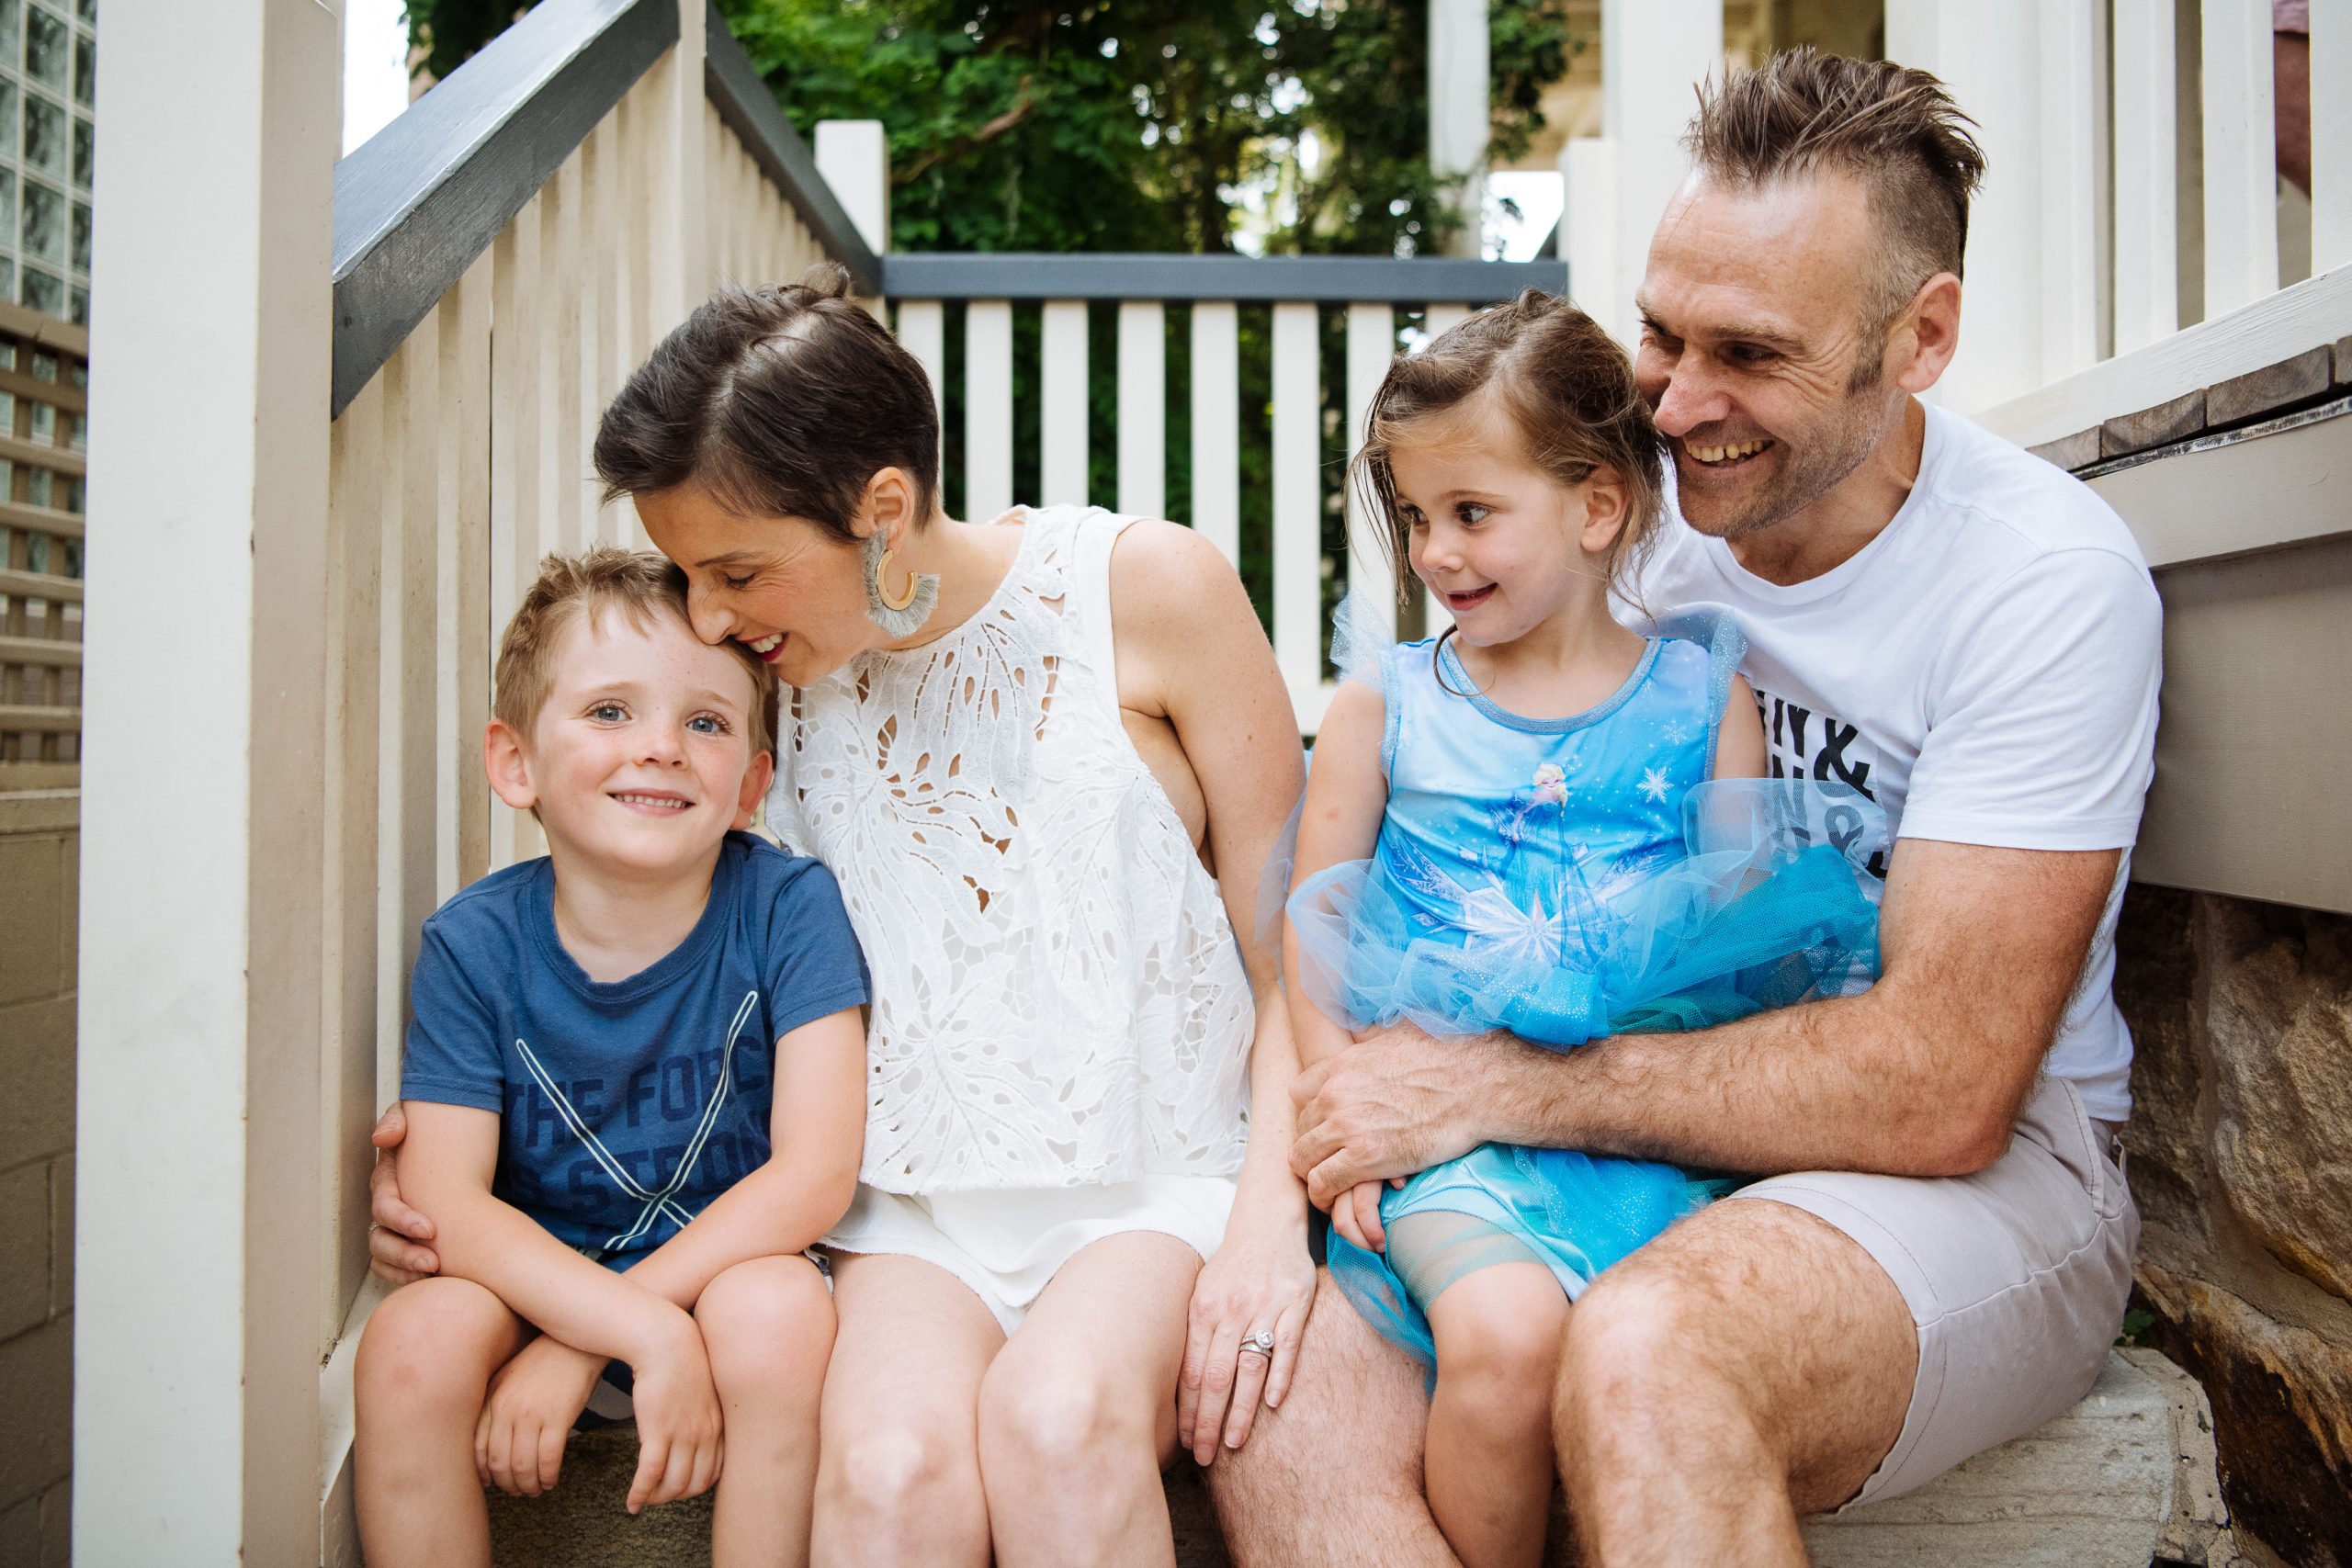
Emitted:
pixel 1566 880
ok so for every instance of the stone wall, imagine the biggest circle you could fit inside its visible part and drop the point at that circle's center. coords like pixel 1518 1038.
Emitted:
pixel 2240 1158
pixel 40 849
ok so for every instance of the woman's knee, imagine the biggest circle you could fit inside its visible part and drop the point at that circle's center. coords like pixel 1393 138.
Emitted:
pixel 432 1344
pixel 883 1474
pixel 1067 1420
pixel 766 1321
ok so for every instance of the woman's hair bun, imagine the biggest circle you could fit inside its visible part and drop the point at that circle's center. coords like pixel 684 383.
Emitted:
pixel 827 280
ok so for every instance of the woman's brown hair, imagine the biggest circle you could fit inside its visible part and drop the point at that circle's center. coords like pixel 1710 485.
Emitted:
pixel 781 403
pixel 1566 389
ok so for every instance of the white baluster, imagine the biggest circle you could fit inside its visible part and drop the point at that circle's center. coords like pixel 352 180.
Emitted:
pixel 1298 508
pixel 1216 424
pixel 2241 161
pixel 2147 179
pixel 1061 476
pixel 1372 344
pixel 2331 97
pixel 922 331
pixel 987 410
pixel 1143 408
pixel 2072 110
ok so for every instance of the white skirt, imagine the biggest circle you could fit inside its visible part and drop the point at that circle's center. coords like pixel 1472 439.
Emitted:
pixel 1007 1245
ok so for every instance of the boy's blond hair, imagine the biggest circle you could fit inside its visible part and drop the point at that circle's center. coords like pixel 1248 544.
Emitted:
pixel 638 583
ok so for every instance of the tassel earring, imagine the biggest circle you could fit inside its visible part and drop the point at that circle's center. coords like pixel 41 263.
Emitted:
pixel 902 614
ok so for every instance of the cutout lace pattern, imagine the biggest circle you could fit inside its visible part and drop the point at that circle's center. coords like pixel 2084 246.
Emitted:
pixel 1058 998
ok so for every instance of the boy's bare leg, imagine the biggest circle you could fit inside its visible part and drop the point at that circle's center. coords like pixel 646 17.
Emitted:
pixel 1334 1476
pixel 767 1324
pixel 898 1465
pixel 1489 1462
pixel 1751 1364
pixel 423 1370
pixel 1080 1410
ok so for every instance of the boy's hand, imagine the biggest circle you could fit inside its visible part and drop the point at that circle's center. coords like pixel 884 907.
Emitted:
pixel 678 1435
pixel 534 1400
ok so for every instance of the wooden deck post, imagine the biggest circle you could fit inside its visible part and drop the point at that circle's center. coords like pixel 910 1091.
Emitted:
pixel 202 1238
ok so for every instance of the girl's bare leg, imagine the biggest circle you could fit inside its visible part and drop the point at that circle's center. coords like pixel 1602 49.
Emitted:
pixel 423 1370
pixel 1498 1334
pixel 898 1466
pixel 768 1326
pixel 1078 1413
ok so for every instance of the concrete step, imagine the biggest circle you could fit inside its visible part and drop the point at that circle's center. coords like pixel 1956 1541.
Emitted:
pixel 2125 1479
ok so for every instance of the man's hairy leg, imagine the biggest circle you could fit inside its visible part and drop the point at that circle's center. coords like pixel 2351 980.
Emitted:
pixel 1334 1476
pixel 1751 1365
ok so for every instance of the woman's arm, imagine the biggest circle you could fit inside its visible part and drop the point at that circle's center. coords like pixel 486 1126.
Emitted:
pixel 816 1132
pixel 1190 649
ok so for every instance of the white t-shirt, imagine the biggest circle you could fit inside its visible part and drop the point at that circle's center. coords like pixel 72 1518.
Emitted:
pixel 1985 669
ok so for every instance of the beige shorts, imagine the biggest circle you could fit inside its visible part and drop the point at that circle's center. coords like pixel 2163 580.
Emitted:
pixel 2016 1277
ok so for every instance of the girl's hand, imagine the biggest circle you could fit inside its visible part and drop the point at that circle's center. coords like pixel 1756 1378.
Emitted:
pixel 534 1400
pixel 678 1437
pixel 1357 1216
pixel 1261 1280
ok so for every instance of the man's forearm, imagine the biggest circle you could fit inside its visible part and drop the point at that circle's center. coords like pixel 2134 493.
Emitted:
pixel 1843 1084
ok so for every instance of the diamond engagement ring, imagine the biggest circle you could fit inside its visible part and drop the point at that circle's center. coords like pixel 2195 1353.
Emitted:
pixel 1262 1342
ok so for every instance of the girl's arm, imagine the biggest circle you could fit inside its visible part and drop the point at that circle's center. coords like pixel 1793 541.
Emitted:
pixel 1346 796
pixel 817 1131
pixel 1739 737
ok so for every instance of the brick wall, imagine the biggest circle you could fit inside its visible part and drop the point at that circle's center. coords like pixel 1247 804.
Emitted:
pixel 40 849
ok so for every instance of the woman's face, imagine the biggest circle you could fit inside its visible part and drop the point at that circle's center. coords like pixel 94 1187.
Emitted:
pixel 784 586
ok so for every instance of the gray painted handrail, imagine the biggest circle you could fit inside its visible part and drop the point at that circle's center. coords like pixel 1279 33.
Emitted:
pixel 743 101
pixel 423 197
pixel 1005 275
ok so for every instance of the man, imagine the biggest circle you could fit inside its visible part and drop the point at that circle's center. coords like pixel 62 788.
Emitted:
pixel 1970 638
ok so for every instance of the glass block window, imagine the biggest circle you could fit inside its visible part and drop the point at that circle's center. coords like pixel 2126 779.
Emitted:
pixel 49 61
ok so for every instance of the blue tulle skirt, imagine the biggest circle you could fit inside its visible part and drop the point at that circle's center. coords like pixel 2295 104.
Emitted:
pixel 1767 907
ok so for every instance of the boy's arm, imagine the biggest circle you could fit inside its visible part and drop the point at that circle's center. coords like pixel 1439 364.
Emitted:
pixel 817 1129
pixel 1346 794
pixel 446 1165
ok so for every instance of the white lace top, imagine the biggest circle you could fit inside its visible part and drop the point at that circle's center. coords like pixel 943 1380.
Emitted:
pixel 1058 998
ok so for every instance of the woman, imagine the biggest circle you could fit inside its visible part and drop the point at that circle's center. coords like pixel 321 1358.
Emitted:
pixel 1020 746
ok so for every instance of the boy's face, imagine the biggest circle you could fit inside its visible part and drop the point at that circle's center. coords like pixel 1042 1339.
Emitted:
pixel 640 757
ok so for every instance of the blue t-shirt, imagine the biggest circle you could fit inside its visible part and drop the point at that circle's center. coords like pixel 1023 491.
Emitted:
pixel 626 1107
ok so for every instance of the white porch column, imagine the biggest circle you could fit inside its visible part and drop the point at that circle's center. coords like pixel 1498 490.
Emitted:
pixel 1652 53
pixel 1459 74
pixel 854 157
pixel 200 1254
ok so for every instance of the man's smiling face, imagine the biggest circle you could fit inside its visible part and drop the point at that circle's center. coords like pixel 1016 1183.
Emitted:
pixel 1764 344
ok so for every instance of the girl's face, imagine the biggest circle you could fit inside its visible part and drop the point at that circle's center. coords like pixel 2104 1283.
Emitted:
pixel 1504 547
pixel 784 586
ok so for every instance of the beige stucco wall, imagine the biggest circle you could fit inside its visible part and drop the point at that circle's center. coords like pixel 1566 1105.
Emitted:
pixel 39 847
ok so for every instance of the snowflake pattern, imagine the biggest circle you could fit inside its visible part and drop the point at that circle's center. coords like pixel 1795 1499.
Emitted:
pixel 1654 784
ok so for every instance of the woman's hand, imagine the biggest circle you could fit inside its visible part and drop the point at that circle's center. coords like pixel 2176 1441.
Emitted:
pixel 534 1400
pixel 395 1247
pixel 1261 1280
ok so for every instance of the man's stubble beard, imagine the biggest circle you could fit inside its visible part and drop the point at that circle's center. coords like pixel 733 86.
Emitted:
pixel 1826 458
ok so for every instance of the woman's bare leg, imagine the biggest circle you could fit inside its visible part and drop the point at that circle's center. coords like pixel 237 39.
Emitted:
pixel 423 1370
pixel 1078 1413
pixel 768 1326
pixel 1499 1333
pixel 898 1468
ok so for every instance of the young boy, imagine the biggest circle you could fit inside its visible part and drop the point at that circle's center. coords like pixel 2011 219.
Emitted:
pixel 635 1088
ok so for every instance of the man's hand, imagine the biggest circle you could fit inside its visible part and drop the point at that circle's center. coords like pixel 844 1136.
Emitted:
pixel 393 1241
pixel 534 1400
pixel 1393 1104
pixel 678 1450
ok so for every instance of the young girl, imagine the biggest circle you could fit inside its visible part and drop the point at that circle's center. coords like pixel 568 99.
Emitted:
pixel 1546 856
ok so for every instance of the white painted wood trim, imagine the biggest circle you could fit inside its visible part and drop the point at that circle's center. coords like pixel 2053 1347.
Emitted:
pixel 2331 133
pixel 1298 500
pixel 2241 161
pixel 199 1198
pixel 1216 424
pixel 922 331
pixel 1062 433
pixel 2273 327
pixel 2147 185
pixel 1371 344
pixel 1143 408
pixel 2191 507
pixel 2072 197
pixel 988 409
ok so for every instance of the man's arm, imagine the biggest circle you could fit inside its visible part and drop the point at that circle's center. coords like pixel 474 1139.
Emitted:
pixel 1921 1076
